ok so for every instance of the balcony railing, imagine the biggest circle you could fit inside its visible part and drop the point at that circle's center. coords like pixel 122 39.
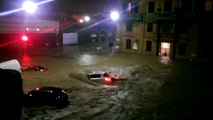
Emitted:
pixel 154 16
pixel 132 16
pixel 166 16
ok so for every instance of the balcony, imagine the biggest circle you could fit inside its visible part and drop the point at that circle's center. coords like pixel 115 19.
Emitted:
pixel 132 16
pixel 165 16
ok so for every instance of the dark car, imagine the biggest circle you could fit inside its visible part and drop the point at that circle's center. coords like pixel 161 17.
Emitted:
pixel 46 95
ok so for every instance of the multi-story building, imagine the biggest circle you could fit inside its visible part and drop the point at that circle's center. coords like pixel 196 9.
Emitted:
pixel 175 28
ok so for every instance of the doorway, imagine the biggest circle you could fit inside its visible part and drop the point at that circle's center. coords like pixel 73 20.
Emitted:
pixel 165 49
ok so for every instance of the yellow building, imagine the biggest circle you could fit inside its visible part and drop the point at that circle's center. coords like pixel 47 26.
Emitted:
pixel 164 27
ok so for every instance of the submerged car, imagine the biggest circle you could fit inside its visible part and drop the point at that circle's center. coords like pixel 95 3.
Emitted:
pixel 46 95
pixel 35 68
pixel 102 76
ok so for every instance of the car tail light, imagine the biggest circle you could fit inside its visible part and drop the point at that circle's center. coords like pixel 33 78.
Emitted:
pixel 37 88
pixel 107 79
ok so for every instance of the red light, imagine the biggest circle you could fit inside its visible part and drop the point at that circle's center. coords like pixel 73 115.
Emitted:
pixel 107 79
pixel 24 38
pixel 37 88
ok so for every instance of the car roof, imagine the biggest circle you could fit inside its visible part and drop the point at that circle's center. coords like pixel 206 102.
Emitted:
pixel 97 72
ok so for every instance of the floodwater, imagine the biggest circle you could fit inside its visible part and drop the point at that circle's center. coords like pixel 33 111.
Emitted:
pixel 152 88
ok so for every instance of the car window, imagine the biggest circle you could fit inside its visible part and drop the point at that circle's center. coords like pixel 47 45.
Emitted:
pixel 95 76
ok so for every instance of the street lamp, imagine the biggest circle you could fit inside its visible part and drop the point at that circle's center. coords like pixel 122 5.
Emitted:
pixel 87 18
pixel 114 15
pixel 29 6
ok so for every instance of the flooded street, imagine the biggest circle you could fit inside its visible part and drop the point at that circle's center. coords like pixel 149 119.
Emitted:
pixel 154 88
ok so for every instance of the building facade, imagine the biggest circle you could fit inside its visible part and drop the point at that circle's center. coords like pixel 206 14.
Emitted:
pixel 174 28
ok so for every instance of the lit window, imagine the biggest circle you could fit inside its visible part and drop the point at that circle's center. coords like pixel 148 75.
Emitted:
pixel 165 45
pixel 129 7
pixel 132 7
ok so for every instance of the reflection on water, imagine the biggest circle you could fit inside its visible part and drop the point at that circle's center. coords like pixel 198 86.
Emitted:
pixel 86 59
pixel 26 60
pixel 110 86
pixel 165 59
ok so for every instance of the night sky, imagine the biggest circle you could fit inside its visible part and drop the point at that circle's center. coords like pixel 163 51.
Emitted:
pixel 90 5
pixel 71 5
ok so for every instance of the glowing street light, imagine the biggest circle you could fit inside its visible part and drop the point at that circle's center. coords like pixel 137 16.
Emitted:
pixel 87 18
pixel 114 15
pixel 29 6
pixel 81 20
pixel 24 38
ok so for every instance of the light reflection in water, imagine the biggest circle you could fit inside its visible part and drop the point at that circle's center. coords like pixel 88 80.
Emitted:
pixel 110 86
pixel 26 60
pixel 165 59
pixel 86 59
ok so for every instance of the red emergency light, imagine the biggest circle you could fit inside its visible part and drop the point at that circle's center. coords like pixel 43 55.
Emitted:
pixel 24 38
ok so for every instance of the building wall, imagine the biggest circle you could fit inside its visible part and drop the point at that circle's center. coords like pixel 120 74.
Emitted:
pixel 183 33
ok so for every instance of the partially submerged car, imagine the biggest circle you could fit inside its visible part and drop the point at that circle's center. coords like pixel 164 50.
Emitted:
pixel 102 76
pixel 46 95
pixel 35 68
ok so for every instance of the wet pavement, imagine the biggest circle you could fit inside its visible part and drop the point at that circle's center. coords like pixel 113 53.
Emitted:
pixel 154 88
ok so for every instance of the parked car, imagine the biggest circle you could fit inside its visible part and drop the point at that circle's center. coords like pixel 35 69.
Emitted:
pixel 46 95
pixel 101 76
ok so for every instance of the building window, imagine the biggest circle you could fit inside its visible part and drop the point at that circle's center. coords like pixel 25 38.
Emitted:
pixel 187 5
pixel 168 6
pixel 130 7
pixel 198 6
pixel 151 7
pixel 148 46
pixel 182 49
pixel 208 6
pixel 135 7
pixel 129 26
pixel 166 27
pixel 125 7
pixel 128 44
pixel 149 27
